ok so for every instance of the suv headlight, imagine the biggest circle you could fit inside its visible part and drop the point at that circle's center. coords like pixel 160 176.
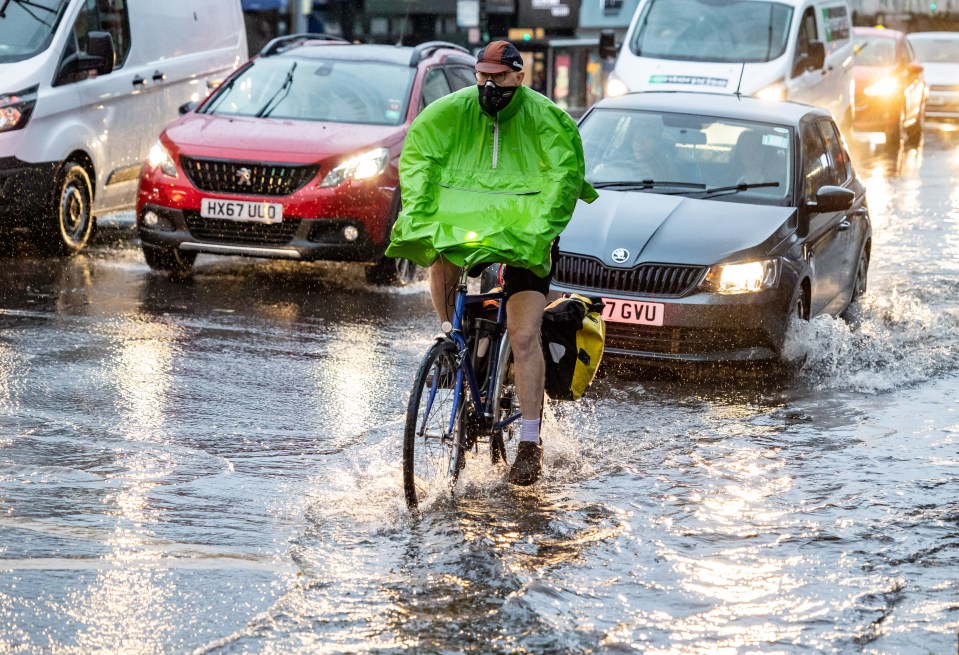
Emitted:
pixel 15 108
pixel 775 91
pixel 161 158
pixel 742 277
pixel 887 86
pixel 615 86
pixel 362 167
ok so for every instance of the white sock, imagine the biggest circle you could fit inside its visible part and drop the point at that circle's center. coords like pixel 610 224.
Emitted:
pixel 529 430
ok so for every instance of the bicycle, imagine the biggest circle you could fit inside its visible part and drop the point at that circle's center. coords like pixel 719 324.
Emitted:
pixel 451 409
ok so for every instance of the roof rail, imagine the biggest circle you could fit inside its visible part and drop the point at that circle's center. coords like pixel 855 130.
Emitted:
pixel 423 50
pixel 281 43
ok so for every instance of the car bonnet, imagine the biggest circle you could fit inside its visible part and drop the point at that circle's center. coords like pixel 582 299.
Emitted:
pixel 673 229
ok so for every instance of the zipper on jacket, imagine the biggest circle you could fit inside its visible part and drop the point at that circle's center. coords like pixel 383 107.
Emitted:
pixel 495 141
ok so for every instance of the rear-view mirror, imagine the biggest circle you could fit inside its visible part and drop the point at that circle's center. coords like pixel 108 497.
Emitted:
pixel 832 199
pixel 607 44
pixel 100 45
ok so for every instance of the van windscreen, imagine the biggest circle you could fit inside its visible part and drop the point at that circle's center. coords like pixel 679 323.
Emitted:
pixel 713 30
pixel 26 28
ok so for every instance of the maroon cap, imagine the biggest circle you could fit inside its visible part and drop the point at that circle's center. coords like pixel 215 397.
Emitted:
pixel 499 57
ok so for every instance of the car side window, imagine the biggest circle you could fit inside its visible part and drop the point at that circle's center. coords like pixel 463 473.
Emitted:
pixel 109 16
pixel 435 86
pixel 815 167
pixel 838 158
pixel 807 34
pixel 461 77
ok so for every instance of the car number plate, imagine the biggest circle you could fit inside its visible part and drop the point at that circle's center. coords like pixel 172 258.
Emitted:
pixel 636 312
pixel 240 210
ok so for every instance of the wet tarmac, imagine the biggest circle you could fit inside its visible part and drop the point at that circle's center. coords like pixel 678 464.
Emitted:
pixel 213 466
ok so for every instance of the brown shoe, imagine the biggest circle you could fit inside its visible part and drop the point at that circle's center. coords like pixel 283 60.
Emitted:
pixel 528 465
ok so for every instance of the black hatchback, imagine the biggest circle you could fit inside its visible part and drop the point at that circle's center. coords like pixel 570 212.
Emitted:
pixel 720 219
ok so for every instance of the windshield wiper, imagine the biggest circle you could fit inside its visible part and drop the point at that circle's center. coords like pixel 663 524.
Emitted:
pixel 269 106
pixel 718 191
pixel 639 185
pixel 25 4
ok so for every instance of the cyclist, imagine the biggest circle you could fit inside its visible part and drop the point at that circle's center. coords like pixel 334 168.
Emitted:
pixel 491 174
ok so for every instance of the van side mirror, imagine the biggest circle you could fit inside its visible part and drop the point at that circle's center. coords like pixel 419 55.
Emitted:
pixel 607 44
pixel 100 45
pixel 815 58
pixel 832 199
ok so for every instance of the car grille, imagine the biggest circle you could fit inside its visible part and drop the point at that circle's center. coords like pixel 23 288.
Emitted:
pixel 256 179
pixel 645 279
pixel 681 340
pixel 241 232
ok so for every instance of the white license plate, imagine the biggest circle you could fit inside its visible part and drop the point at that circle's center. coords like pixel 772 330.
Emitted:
pixel 636 312
pixel 239 210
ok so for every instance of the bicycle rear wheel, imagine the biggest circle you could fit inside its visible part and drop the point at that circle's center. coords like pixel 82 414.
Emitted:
pixel 428 443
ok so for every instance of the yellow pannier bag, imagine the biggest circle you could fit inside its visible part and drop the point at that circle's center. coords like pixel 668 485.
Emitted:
pixel 573 338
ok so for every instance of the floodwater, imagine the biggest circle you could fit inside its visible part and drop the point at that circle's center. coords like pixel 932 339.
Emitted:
pixel 213 466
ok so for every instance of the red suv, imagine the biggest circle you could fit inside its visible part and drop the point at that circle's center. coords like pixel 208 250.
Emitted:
pixel 294 156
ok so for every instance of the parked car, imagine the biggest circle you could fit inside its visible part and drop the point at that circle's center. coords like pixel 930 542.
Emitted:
pixel 890 88
pixel 719 220
pixel 295 156
pixel 939 54
pixel 84 89
pixel 798 50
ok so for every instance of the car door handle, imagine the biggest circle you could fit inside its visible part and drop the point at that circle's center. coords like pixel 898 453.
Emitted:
pixel 862 211
pixel 158 76
pixel 138 81
pixel 844 225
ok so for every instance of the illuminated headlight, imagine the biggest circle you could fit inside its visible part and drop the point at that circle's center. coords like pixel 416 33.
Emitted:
pixel 744 277
pixel 15 109
pixel 160 157
pixel 887 86
pixel 362 167
pixel 775 91
pixel 615 86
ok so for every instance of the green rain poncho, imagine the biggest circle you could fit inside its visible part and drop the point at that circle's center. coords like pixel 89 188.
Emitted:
pixel 482 190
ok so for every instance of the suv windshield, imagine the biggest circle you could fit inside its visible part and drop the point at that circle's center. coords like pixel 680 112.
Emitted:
pixel 875 50
pixel 334 90
pixel 27 27
pixel 686 154
pixel 729 31
pixel 944 51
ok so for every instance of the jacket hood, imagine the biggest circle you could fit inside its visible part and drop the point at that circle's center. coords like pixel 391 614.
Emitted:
pixel 673 229
pixel 276 140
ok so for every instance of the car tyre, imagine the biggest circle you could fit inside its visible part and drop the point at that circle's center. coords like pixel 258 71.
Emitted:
pixel 169 260
pixel 390 271
pixel 860 284
pixel 896 134
pixel 914 133
pixel 67 225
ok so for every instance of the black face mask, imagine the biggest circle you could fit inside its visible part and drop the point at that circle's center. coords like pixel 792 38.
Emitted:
pixel 493 99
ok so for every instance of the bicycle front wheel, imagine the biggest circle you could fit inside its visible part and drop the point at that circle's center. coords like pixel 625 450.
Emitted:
pixel 504 441
pixel 427 440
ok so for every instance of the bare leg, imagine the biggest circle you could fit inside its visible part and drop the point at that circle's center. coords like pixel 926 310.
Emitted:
pixel 443 278
pixel 524 317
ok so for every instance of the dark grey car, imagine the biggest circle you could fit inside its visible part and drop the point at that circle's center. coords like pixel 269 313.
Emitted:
pixel 719 220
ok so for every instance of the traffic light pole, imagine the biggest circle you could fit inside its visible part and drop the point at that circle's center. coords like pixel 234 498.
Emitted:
pixel 483 22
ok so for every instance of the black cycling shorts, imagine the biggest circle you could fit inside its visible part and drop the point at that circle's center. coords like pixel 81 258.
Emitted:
pixel 517 279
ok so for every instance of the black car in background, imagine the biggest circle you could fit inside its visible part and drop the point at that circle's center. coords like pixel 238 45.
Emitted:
pixel 720 219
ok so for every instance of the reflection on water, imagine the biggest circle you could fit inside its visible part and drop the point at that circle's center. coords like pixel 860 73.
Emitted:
pixel 213 466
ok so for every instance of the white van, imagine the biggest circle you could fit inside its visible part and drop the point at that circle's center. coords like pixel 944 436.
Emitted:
pixel 798 50
pixel 85 88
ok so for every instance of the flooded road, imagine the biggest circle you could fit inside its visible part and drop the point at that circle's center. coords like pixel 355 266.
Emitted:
pixel 213 466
